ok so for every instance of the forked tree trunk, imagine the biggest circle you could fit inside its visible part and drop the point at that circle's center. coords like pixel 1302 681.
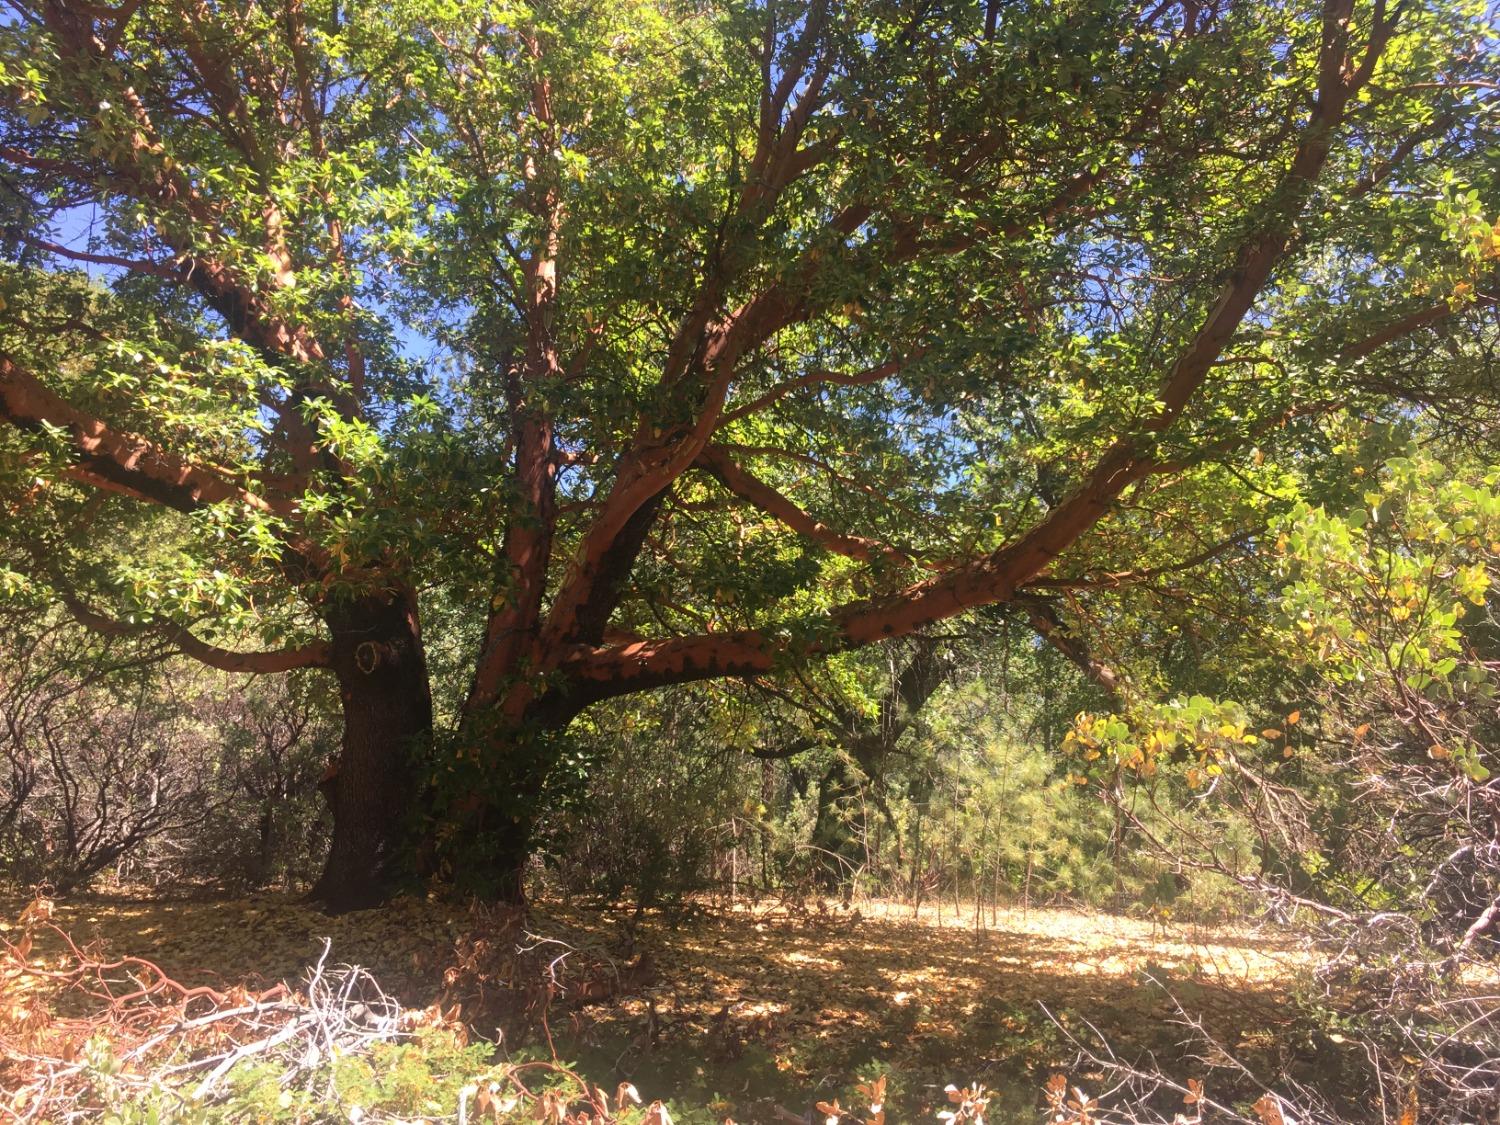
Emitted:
pixel 387 702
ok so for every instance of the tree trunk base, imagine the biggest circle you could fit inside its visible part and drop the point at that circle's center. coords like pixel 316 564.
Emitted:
pixel 372 790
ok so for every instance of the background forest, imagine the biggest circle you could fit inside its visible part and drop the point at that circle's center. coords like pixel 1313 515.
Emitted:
pixel 668 459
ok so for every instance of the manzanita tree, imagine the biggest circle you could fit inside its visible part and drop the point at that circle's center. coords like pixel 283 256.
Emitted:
pixel 662 340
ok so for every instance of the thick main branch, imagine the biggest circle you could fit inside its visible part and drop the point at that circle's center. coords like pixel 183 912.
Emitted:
pixel 122 460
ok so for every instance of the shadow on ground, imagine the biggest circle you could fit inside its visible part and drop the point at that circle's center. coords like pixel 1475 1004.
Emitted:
pixel 747 1009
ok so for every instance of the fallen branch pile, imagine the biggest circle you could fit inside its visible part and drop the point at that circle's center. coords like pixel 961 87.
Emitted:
pixel 87 1028
pixel 83 1033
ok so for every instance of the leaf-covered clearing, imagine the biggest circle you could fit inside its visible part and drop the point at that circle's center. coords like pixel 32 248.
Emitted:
pixel 752 1008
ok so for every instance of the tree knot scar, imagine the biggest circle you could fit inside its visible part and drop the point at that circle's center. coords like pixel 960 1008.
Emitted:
pixel 367 657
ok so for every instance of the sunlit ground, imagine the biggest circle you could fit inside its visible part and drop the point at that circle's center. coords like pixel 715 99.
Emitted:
pixel 766 1005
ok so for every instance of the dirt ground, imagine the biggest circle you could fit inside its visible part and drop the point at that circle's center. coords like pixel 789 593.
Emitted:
pixel 781 1002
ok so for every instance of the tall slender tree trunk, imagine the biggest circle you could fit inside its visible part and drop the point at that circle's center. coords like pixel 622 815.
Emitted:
pixel 387 702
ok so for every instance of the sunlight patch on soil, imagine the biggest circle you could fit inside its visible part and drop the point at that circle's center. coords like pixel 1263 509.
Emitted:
pixel 757 998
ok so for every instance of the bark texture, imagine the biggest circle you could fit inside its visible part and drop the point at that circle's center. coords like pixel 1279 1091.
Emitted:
pixel 382 674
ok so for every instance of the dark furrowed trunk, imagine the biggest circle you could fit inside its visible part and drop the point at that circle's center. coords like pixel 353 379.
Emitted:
pixel 387 703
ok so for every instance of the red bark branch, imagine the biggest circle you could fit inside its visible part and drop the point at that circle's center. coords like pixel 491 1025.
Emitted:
pixel 122 460
pixel 1049 625
pixel 719 464
pixel 713 349
pixel 318 654
pixel 169 270
pixel 816 378
pixel 1405 326
pixel 140 170
pixel 997 576
pixel 511 634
